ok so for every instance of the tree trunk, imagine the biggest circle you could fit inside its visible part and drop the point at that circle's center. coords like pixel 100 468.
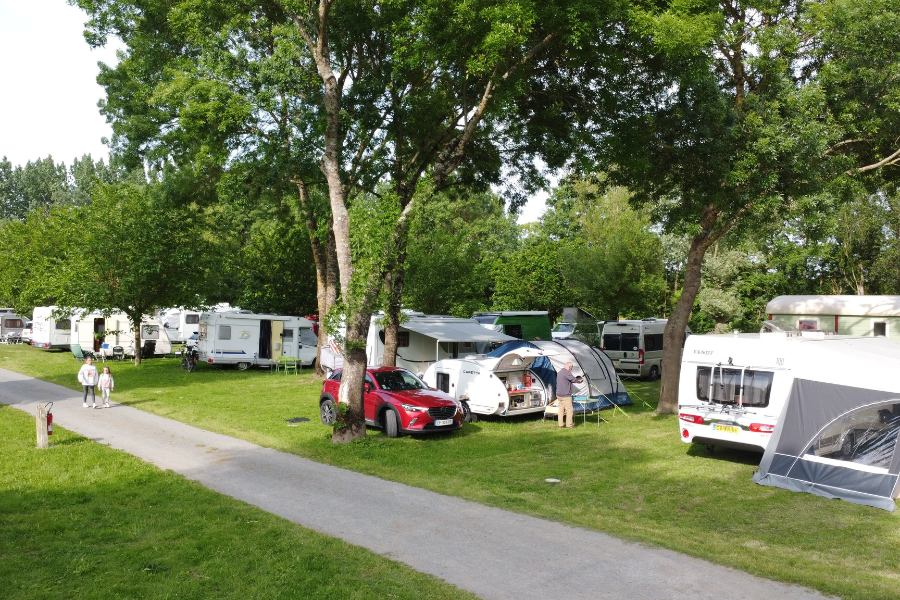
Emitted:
pixel 681 314
pixel 137 338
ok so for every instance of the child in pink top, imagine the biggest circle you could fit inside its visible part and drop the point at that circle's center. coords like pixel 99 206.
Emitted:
pixel 106 385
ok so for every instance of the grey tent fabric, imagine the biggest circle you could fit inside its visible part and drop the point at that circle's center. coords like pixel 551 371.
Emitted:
pixel 836 441
pixel 455 330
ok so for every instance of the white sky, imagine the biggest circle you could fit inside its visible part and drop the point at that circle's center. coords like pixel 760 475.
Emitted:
pixel 49 102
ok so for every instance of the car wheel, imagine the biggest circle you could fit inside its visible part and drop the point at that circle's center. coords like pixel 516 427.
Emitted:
pixel 468 415
pixel 243 366
pixel 391 426
pixel 654 373
pixel 328 410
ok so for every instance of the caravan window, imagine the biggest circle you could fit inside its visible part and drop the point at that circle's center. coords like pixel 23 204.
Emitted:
pixel 513 330
pixel 726 386
pixel 64 325
pixel 443 382
pixel 865 436
pixel 224 332
pixel 653 342
pixel 149 332
pixel 191 319
pixel 13 323
pixel 287 335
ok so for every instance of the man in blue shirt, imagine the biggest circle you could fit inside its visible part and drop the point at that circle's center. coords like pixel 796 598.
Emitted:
pixel 564 381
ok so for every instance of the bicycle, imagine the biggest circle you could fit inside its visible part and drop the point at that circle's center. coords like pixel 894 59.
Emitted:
pixel 189 358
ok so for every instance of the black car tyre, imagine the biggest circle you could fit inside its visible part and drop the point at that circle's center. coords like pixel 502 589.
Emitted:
pixel 391 425
pixel 328 410
pixel 243 366
pixel 654 373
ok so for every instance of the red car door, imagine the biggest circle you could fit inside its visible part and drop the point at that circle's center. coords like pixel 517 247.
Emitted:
pixel 371 399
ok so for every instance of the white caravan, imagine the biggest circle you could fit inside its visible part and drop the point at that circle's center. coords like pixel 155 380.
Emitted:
pixel 636 346
pixel 180 323
pixel 733 387
pixel 101 334
pixel 50 331
pixel 424 339
pixel 520 377
pixel 244 339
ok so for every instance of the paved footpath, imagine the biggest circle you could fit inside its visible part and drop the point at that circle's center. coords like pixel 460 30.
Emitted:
pixel 491 552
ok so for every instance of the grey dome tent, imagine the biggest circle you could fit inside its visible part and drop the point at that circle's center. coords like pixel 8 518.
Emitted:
pixel 837 434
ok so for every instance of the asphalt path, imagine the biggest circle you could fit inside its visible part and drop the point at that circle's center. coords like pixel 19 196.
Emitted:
pixel 493 553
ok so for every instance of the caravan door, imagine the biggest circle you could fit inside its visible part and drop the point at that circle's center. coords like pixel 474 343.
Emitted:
pixel 289 342
pixel 277 337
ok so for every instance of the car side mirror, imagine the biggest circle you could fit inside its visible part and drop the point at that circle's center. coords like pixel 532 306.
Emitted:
pixel 368 387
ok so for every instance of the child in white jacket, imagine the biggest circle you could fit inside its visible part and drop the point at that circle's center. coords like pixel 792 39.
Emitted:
pixel 87 376
pixel 106 385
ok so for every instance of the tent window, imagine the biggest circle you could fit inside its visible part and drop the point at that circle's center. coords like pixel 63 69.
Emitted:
pixel 726 386
pixel 865 436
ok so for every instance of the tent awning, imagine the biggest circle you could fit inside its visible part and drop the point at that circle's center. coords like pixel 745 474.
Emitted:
pixel 455 331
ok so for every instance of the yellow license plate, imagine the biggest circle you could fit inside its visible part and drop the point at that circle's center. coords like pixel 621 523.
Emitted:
pixel 726 428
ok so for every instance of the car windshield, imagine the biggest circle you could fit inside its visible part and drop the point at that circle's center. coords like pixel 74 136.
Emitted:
pixel 398 380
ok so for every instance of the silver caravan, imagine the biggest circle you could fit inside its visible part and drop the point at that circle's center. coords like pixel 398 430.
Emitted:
pixel 734 388
pixel 51 330
pixel 244 339
pixel 11 326
pixel 520 377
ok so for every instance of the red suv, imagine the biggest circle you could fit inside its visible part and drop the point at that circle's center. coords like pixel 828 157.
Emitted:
pixel 398 402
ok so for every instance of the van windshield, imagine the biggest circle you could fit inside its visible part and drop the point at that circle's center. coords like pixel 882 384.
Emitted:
pixel 564 328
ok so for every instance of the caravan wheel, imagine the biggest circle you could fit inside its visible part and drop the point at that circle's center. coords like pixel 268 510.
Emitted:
pixel 242 366
pixel 468 415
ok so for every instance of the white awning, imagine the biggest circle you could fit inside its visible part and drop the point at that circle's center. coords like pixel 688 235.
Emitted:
pixel 455 330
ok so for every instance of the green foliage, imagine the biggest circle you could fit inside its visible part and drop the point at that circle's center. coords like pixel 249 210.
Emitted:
pixel 455 243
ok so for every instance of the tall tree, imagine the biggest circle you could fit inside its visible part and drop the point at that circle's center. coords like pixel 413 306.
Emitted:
pixel 744 107
pixel 396 92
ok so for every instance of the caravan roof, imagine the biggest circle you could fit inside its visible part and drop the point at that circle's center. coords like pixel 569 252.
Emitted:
pixel 880 306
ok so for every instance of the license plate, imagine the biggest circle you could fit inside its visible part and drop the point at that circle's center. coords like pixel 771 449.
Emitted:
pixel 442 422
pixel 726 428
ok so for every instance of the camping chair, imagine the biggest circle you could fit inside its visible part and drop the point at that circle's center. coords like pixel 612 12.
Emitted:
pixel 78 353
pixel 290 364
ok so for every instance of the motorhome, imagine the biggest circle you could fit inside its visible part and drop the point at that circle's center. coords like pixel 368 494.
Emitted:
pixel 520 377
pixel 101 333
pixel 244 339
pixel 636 346
pixel 11 325
pixel 51 329
pixel 520 324
pixel 424 339
pixel 733 388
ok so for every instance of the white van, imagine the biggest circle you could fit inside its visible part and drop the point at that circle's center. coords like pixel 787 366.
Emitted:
pixel 635 346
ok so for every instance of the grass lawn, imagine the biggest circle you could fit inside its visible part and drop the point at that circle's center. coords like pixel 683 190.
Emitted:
pixel 80 520
pixel 630 477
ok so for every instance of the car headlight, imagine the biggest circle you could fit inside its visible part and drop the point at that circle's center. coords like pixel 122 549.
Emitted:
pixel 413 408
